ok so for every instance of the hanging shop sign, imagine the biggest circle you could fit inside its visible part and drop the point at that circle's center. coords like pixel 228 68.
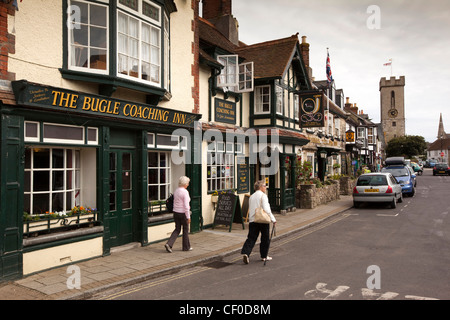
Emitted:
pixel 58 99
pixel 350 136
pixel 311 110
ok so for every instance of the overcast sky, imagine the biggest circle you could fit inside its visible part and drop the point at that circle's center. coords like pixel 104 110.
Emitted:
pixel 415 34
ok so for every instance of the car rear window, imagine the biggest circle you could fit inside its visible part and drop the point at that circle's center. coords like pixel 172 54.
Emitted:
pixel 372 181
pixel 396 172
pixel 441 166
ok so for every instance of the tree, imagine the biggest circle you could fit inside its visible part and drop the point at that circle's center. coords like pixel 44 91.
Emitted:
pixel 406 146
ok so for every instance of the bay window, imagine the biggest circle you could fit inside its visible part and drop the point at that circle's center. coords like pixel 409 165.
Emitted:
pixel 139 51
pixel 262 99
pixel 88 37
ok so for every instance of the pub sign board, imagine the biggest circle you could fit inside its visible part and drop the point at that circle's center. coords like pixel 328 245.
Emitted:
pixel 58 99
pixel 224 111
pixel 312 110
pixel 350 136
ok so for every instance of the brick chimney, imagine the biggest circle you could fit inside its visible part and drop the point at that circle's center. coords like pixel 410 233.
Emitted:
pixel 216 8
pixel 350 107
pixel 219 13
pixel 304 50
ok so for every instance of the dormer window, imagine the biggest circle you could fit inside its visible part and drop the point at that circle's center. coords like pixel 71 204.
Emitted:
pixel 234 76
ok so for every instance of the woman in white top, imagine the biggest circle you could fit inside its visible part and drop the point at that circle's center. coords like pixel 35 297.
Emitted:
pixel 258 198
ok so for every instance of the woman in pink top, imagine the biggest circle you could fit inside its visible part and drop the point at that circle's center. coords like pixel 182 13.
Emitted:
pixel 181 215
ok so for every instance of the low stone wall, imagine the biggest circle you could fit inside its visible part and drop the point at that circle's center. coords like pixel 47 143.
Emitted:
pixel 346 185
pixel 309 196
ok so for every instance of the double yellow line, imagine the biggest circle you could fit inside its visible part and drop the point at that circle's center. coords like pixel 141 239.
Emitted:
pixel 153 284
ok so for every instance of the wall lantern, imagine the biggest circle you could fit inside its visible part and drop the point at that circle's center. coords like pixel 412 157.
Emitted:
pixel 323 154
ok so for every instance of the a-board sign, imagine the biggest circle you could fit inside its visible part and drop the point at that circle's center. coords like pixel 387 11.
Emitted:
pixel 228 210
pixel 245 207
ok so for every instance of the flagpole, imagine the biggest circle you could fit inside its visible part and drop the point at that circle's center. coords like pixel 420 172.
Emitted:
pixel 391 67
pixel 328 103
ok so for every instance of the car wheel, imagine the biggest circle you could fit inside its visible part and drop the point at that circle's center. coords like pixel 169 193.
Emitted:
pixel 394 203
pixel 355 204
pixel 400 200
pixel 412 193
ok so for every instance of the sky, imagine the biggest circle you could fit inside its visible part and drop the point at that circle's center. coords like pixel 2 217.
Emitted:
pixel 362 35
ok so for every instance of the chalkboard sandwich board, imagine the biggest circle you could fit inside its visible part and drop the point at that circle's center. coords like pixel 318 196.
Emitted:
pixel 228 211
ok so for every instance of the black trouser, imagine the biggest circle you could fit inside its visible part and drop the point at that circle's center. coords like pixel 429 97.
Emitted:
pixel 253 232
pixel 180 221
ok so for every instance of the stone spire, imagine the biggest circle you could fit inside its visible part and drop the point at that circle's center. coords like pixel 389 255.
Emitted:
pixel 441 131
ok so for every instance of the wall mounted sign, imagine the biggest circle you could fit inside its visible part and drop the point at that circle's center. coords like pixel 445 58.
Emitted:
pixel 311 110
pixel 224 111
pixel 243 173
pixel 58 99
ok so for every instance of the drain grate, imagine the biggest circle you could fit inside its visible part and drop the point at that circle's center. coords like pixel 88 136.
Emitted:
pixel 217 264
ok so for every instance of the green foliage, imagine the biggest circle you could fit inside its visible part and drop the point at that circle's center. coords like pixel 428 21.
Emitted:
pixel 407 146
pixel 303 171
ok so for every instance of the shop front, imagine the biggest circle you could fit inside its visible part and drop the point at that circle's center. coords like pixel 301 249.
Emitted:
pixel 80 174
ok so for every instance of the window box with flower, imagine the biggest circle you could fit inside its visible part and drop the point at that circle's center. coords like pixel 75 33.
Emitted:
pixel 77 217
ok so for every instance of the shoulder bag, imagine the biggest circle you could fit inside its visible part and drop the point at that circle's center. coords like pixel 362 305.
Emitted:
pixel 261 216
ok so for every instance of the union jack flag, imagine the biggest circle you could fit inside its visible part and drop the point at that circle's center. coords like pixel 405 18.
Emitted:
pixel 329 75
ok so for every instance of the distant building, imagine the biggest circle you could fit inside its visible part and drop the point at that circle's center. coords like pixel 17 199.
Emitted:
pixel 439 149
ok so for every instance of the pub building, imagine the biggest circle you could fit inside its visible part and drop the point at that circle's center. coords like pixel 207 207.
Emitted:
pixel 97 111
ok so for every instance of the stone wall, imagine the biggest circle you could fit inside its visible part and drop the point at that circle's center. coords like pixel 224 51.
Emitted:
pixel 309 196
pixel 346 185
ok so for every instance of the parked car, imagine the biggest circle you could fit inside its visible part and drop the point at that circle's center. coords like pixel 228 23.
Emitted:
pixel 431 163
pixel 377 187
pixel 417 169
pixel 441 168
pixel 397 167
pixel 413 175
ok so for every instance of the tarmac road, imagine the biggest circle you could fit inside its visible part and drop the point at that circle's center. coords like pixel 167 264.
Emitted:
pixel 373 252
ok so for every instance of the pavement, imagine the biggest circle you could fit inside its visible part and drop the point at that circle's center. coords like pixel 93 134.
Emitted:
pixel 132 264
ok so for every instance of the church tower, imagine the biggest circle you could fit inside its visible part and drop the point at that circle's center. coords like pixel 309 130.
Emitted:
pixel 392 98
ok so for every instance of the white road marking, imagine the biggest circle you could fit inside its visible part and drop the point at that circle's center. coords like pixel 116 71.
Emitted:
pixel 322 293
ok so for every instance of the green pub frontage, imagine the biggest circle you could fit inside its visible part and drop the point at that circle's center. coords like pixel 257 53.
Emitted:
pixel 81 174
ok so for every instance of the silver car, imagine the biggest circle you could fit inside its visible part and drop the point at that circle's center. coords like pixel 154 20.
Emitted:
pixel 377 187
